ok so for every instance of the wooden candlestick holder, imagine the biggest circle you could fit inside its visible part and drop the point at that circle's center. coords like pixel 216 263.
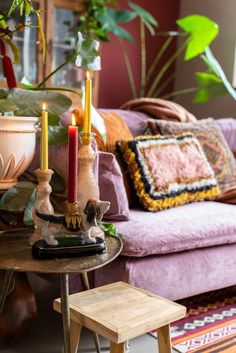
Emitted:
pixel 43 203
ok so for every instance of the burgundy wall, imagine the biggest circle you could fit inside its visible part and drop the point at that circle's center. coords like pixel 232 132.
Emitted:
pixel 114 89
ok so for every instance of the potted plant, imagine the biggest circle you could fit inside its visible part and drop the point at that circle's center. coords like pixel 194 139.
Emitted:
pixel 21 108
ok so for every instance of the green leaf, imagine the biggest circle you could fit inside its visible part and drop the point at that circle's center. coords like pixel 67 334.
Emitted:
pixel 3 24
pixel 209 86
pixel 202 32
pixel 28 220
pixel 28 8
pixel 29 103
pixel 101 34
pixel 25 7
pixel 17 197
pixel 57 135
pixel 3 93
pixel 110 19
pixel 57 182
pixel 14 6
pixel 88 56
pixel 214 67
pixel 145 16
pixel 109 229
pixel 6 106
pixel 53 119
pixel 21 4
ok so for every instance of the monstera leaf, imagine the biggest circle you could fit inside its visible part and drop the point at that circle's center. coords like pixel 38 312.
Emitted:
pixel 29 103
pixel 88 56
pixel 202 32
pixel 17 197
pixel 111 19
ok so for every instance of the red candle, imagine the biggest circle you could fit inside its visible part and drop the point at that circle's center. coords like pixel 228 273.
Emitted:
pixel 73 161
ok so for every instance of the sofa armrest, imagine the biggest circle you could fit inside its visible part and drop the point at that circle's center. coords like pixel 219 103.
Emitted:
pixel 228 128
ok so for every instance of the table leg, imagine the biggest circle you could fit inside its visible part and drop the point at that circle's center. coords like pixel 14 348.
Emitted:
pixel 65 311
pixel 5 286
pixel 86 286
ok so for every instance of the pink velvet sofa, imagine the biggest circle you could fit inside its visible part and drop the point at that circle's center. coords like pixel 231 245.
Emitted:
pixel 176 253
pixel 179 252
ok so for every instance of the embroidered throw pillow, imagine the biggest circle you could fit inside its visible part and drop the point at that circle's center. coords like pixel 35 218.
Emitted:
pixel 213 142
pixel 168 171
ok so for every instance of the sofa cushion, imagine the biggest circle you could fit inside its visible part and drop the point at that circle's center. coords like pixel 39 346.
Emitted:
pixel 168 171
pixel 111 186
pixel 228 128
pixel 213 142
pixel 116 129
pixel 186 227
pixel 136 121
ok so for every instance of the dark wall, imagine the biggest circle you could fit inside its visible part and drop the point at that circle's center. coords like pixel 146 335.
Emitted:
pixel 114 88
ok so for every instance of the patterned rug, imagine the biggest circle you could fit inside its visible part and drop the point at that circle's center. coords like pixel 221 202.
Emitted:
pixel 210 324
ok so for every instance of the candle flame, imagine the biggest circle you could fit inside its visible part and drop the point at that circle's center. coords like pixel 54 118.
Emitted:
pixel 87 75
pixel 73 120
pixel 44 106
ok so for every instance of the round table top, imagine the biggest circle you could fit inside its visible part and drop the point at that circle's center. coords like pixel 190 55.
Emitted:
pixel 15 255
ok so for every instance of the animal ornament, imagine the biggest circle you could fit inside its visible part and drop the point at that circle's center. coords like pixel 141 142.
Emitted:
pixel 79 224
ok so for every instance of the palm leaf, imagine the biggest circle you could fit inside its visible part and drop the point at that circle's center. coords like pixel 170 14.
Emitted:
pixel 29 103
pixel 145 16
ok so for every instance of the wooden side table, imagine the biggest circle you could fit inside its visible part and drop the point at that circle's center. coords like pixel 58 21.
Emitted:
pixel 15 255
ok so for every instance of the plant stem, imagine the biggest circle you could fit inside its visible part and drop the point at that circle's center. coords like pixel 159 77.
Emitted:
pixel 143 58
pixel 165 68
pixel 180 92
pixel 129 68
pixel 68 60
pixel 158 57
pixel 164 85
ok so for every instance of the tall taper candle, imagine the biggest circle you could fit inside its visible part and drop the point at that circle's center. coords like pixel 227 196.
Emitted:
pixel 73 161
pixel 44 139
pixel 88 98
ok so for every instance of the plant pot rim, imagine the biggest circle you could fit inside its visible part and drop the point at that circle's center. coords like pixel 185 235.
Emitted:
pixel 19 118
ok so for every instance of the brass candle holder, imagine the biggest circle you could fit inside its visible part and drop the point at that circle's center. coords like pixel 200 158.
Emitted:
pixel 72 216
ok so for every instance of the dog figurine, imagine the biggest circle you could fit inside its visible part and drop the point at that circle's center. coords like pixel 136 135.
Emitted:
pixel 85 221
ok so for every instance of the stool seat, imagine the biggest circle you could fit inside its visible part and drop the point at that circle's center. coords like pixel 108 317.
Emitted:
pixel 120 312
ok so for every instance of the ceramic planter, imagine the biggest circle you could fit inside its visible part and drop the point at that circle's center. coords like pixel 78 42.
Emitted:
pixel 17 146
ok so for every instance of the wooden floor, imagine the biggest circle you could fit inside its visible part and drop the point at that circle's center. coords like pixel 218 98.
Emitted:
pixel 45 335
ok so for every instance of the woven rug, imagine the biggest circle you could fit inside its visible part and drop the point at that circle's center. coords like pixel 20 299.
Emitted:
pixel 210 324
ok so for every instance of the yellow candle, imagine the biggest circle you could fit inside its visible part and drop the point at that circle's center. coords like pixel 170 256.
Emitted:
pixel 88 98
pixel 44 139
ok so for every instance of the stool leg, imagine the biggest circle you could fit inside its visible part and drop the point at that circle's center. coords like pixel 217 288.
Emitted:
pixel 117 347
pixel 86 286
pixel 163 336
pixel 75 330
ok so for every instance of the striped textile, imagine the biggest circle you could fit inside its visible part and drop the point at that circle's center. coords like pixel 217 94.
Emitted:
pixel 210 324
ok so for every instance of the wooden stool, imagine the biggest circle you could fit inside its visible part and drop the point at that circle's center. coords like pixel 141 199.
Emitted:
pixel 120 312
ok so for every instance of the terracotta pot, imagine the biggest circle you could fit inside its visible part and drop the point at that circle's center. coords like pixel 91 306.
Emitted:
pixel 17 146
